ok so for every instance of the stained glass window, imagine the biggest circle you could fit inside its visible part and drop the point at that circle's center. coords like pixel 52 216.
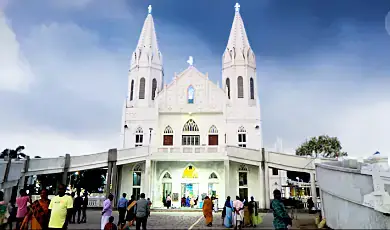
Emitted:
pixel 190 94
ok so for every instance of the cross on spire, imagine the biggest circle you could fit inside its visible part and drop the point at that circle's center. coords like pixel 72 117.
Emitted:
pixel 190 60
pixel 149 9
pixel 237 6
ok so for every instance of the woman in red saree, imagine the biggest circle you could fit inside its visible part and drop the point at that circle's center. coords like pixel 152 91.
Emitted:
pixel 208 211
pixel 38 216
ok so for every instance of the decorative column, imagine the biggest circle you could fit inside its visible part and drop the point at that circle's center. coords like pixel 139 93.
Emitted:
pixel 23 179
pixel 66 169
pixel 111 158
pixel 227 178
pixel 313 188
pixel 267 192
pixel 147 181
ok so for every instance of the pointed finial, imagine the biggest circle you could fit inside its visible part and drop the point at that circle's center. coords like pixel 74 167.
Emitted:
pixel 190 60
pixel 237 6
pixel 149 9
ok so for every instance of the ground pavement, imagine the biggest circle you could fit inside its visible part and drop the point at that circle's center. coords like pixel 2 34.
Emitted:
pixel 176 220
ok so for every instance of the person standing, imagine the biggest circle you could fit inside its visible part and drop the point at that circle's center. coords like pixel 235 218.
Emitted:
pixel 61 209
pixel 142 212
pixel 12 209
pixel 107 211
pixel 208 211
pixel 21 203
pixel 168 201
pixel 122 205
pixel 238 216
pixel 84 207
pixel 78 202
pixel 130 216
pixel 3 212
pixel 281 217
pixel 38 215
pixel 254 213
pixel 228 211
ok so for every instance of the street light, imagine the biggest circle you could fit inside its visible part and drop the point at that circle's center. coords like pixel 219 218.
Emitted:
pixel 125 127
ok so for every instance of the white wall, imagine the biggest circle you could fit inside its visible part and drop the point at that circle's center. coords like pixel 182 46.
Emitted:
pixel 277 181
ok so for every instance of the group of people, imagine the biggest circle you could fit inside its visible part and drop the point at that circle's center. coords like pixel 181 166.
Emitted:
pixel 240 213
pixel 130 211
pixel 40 214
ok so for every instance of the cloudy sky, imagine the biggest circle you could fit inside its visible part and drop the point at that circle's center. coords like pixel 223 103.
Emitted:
pixel 323 67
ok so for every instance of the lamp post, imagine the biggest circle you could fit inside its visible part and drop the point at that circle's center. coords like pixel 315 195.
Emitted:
pixel 125 127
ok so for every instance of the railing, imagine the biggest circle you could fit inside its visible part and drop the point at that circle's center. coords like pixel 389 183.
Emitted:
pixel 191 149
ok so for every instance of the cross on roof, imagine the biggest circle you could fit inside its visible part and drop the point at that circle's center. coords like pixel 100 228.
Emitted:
pixel 150 9
pixel 190 60
pixel 237 6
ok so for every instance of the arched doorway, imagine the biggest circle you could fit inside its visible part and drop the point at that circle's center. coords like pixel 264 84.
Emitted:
pixel 213 185
pixel 166 186
pixel 190 183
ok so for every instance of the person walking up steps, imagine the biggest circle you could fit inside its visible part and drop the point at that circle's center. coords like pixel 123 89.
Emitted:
pixel 142 212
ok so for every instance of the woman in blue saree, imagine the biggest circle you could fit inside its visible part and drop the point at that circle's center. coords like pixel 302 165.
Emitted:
pixel 228 211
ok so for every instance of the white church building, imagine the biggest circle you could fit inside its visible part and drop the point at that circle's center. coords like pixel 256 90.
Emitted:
pixel 188 125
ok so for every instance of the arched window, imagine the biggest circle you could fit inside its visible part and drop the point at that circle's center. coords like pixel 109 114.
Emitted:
pixel 139 137
pixel 243 182
pixel 131 90
pixel 240 87
pixel 167 176
pixel 190 126
pixel 190 94
pixel 190 136
pixel 228 87
pixel 142 88
pixel 168 136
pixel 213 135
pixel 252 88
pixel 154 87
pixel 213 176
pixel 241 137
pixel 137 172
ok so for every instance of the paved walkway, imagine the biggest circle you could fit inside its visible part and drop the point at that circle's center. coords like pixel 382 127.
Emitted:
pixel 176 220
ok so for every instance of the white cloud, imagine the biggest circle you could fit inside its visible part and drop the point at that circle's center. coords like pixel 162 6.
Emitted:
pixel 15 72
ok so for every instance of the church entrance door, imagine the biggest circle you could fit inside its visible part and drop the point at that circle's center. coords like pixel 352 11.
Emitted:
pixel 190 190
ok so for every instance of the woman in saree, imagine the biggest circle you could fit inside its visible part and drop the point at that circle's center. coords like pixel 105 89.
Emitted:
pixel 228 213
pixel 208 211
pixel 38 214
pixel 247 216
pixel 130 216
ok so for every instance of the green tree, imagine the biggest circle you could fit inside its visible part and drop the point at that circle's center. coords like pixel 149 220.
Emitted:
pixel 13 153
pixel 321 146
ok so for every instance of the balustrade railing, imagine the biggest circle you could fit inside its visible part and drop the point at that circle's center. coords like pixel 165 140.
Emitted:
pixel 191 149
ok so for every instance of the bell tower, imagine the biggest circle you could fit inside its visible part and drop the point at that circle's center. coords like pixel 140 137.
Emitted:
pixel 146 67
pixel 239 66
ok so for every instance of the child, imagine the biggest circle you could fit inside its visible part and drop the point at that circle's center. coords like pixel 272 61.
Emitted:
pixel 110 225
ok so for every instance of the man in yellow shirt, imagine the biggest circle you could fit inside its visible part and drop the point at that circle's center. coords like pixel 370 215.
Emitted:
pixel 61 209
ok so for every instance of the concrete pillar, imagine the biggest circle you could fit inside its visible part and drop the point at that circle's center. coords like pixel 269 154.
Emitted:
pixel 23 178
pixel 313 188
pixel 114 183
pixel 262 186
pixel 226 164
pixel 7 191
pixel 64 179
pixel 111 160
pixel 267 199
pixel 147 181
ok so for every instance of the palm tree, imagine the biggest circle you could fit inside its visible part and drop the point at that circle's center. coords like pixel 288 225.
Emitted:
pixel 13 153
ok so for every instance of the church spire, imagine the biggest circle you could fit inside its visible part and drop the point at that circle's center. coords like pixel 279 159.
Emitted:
pixel 238 38
pixel 238 47
pixel 147 50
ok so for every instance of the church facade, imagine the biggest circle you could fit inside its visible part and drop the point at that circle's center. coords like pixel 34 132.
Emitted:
pixel 189 126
